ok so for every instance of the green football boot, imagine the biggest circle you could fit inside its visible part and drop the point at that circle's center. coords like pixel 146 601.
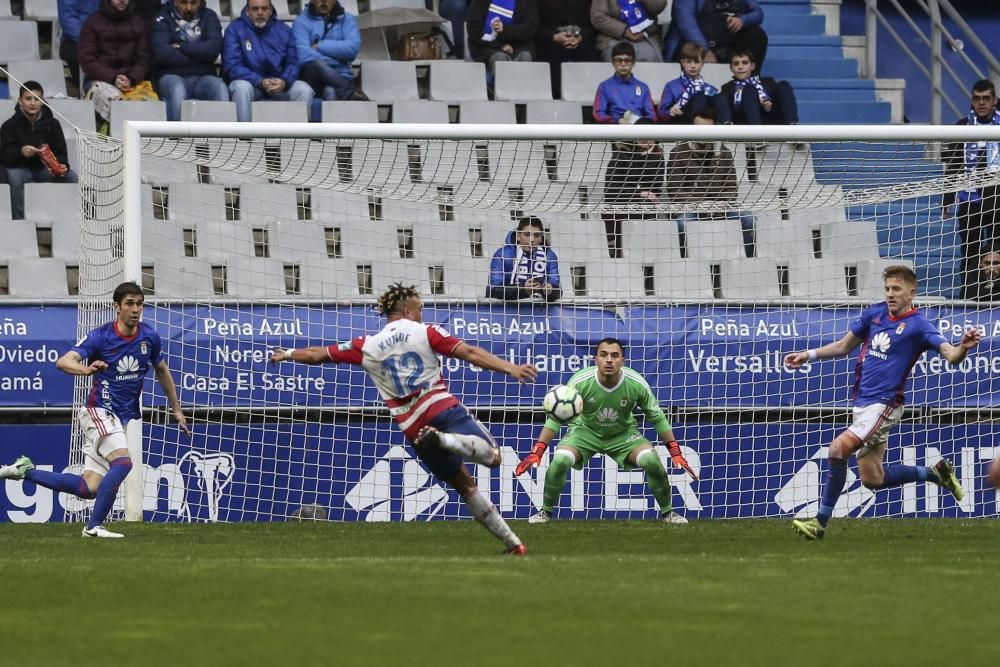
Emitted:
pixel 809 528
pixel 946 478
pixel 17 469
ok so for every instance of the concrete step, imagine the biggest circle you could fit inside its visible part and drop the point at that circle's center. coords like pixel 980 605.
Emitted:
pixel 835 113
pixel 800 83
pixel 844 96
pixel 793 24
pixel 808 51
pixel 816 68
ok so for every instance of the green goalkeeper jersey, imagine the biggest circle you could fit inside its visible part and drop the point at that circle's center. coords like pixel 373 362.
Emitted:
pixel 610 411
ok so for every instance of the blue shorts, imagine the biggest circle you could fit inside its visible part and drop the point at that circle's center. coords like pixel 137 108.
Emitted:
pixel 456 419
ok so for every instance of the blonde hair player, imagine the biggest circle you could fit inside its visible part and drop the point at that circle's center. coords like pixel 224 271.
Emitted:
pixel 894 335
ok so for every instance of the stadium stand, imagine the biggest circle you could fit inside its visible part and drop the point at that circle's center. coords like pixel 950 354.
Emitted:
pixel 799 51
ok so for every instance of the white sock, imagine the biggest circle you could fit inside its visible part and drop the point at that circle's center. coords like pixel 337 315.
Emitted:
pixel 487 514
pixel 470 447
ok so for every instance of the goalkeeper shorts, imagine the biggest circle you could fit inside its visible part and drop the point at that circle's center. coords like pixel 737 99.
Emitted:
pixel 590 444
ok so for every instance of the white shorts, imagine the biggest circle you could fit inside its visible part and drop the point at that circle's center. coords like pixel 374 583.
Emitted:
pixel 105 434
pixel 872 423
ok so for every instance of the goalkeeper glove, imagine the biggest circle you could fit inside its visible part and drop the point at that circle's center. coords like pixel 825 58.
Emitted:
pixel 533 459
pixel 678 458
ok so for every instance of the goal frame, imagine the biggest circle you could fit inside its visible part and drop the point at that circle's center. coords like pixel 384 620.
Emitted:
pixel 135 132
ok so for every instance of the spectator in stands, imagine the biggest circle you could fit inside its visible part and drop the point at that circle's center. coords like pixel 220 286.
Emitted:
pixel 72 14
pixel 700 172
pixel 987 285
pixel 623 98
pixel 631 22
pixel 754 100
pixel 186 40
pixel 565 34
pixel 525 267
pixel 719 26
pixel 115 55
pixel 688 94
pixel 32 146
pixel 977 207
pixel 327 40
pixel 455 12
pixel 502 30
pixel 260 61
pixel 634 177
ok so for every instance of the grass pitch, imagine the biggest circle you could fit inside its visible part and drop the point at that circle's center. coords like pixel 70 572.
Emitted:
pixel 715 593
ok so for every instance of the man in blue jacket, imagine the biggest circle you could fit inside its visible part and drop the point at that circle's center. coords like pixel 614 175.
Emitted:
pixel 186 40
pixel 72 14
pixel 328 40
pixel 260 61
pixel 719 26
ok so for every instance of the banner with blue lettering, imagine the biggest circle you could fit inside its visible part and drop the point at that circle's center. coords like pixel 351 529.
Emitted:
pixel 692 356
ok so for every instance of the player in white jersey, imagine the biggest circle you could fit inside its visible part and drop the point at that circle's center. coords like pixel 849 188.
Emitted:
pixel 118 356
pixel 402 361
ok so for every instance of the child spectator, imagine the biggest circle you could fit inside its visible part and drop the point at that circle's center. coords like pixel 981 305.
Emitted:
pixel 634 177
pixel 525 267
pixel 623 98
pixel 688 94
pixel 32 146
pixel 753 100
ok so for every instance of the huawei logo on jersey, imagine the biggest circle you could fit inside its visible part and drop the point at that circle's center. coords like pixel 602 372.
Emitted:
pixel 607 415
pixel 880 344
pixel 128 364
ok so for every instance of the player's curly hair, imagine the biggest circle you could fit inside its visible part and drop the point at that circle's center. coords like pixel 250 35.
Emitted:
pixel 397 293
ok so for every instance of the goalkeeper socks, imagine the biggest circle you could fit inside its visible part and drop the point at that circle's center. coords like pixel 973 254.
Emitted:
pixel 656 477
pixel 65 482
pixel 470 447
pixel 835 480
pixel 487 514
pixel 897 475
pixel 555 478
pixel 108 489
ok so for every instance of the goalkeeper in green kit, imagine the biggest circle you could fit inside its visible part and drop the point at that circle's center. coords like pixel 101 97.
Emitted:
pixel 607 426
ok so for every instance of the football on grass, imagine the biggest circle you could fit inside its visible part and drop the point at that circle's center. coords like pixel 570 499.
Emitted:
pixel 562 403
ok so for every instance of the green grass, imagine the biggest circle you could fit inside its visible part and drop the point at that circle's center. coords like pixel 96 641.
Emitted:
pixel 596 593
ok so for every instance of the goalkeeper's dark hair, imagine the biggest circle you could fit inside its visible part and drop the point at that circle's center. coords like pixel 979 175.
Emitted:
pixel 610 340
pixel 397 293
pixel 127 289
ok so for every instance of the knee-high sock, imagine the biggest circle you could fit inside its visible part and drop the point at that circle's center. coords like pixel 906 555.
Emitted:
pixel 108 489
pixel 65 482
pixel 487 514
pixel 897 475
pixel 656 477
pixel 471 447
pixel 555 478
pixel 835 479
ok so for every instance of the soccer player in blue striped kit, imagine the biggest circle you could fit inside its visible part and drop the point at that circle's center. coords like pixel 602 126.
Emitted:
pixel 894 335
pixel 118 355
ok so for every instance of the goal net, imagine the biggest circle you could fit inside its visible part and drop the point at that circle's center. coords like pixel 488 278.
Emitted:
pixel 709 252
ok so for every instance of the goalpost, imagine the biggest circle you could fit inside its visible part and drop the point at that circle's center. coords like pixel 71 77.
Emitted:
pixel 249 236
